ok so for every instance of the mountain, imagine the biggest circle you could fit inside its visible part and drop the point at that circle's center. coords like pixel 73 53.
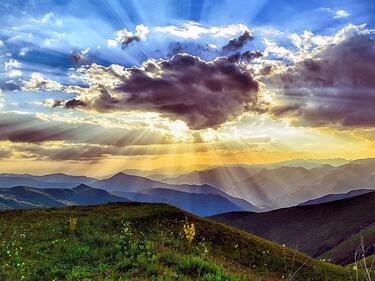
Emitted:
pixel 133 241
pixel 313 229
pixel 197 203
pixel 29 197
pixel 335 197
pixel 135 184
pixel 278 187
pixel 46 181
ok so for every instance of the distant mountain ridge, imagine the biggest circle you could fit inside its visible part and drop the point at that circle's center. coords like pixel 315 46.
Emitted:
pixel 58 180
pixel 284 186
pixel 29 197
pixel 252 188
pixel 203 200
pixel 335 197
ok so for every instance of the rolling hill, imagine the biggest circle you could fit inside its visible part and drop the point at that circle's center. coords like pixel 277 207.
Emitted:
pixel 132 241
pixel 313 229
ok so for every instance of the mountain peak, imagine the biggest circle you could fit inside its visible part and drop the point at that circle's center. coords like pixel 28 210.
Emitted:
pixel 82 187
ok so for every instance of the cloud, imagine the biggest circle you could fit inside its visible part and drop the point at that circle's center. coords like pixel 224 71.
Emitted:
pixel 47 18
pixel 12 68
pixel 5 154
pixel 193 30
pixel 245 56
pixel 341 14
pixel 2 101
pixel 335 86
pixel 202 94
pixel 125 37
pixel 29 128
pixel 38 83
pixel 237 43
pixel 337 14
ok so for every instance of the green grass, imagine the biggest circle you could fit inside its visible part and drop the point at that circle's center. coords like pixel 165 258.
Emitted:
pixel 132 241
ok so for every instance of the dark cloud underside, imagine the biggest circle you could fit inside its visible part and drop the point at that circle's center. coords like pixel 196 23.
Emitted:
pixel 203 94
pixel 336 87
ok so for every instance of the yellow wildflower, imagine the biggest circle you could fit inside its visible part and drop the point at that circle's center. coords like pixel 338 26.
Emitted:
pixel 189 231
pixel 72 224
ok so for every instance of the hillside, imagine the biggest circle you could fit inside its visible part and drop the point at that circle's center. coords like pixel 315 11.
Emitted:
pixel 132 241
pixel 313 229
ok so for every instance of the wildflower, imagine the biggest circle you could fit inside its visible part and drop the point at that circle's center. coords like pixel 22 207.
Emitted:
pixel 72 224
pixel 189 231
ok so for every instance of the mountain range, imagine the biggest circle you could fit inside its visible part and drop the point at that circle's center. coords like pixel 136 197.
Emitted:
pixel 29 197
pixel 281 186
pixel 332 213
pixel 330 230
pixel 42 191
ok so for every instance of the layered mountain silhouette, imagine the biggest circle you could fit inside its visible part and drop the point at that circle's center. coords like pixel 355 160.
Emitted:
pixel 330 230
pixel 29 197
pixel 41 191
pixel 335 197
pixel 46 181
pixel 273 187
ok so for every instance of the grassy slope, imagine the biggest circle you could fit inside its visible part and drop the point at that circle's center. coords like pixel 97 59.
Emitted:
pixel 313 229
pixel 132 241
pixel 344 252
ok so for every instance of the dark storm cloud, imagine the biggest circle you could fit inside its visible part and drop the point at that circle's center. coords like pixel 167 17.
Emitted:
pixel 203 94
pixel 245 56
pixel 28 128
pixel 72 103
pixel 336 87
pixel 237 43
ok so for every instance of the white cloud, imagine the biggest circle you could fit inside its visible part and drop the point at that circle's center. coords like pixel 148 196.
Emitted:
pixel 125 37
pixel 24 51
pixel 12 68
pixel 14 73
pixel 341 14
pixel 1 43
pixel 48 18
pixel 2 101
pixel 38 82
pixel 308 44
pixel 193 30
pixel 337 14
pixel 112 43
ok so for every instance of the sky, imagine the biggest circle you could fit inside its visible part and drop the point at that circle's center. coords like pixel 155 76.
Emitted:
pixel 97 87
